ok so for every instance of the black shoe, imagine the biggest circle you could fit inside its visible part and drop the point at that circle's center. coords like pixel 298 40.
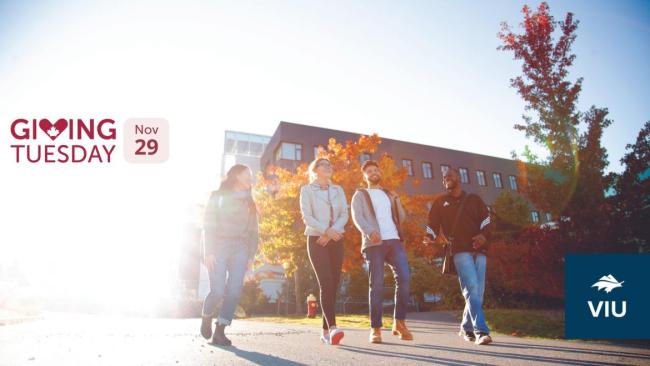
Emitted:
pixel 206 327
pixel 219 338
pixel 467 336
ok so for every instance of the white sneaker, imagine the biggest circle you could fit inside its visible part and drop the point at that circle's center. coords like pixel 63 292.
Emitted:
pixel 483 339
pixel 325 337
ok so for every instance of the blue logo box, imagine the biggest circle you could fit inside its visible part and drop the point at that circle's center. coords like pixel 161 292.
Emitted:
pixel 607 296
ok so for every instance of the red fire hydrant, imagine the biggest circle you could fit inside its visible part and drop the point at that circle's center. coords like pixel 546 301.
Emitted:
pixel 312 305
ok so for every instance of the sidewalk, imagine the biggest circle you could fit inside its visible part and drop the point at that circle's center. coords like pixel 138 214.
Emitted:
pixel 64 339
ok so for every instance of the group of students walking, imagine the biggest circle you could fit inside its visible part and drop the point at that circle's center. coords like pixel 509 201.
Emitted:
pixel 231 241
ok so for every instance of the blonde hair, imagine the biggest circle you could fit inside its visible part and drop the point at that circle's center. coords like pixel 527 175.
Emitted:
pixel 311 169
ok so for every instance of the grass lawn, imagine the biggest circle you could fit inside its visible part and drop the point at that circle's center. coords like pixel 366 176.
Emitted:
pixel 517 322
pixel 527 323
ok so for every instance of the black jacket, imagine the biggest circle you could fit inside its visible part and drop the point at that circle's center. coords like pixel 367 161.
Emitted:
pixel 474 220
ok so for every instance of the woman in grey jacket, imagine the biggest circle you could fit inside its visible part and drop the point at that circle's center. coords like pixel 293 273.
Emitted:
pixel 230 243
pixel 324 211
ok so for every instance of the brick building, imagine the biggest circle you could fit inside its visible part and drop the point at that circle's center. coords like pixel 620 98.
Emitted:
pixel 293 144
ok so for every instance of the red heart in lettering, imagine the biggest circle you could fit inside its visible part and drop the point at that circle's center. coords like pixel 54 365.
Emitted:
pixel 53 130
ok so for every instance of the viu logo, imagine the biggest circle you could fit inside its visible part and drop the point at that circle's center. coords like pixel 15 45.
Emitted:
pixel 608 283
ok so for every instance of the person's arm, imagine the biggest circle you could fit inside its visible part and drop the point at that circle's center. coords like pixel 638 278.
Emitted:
pixel 481 215
pixel 344 216
pixel 254 236
pixel 400 209
pixel 254 241
pixel 210 224
pixel 307 212
pixel 361 222
pixel 434 220
pixel 484 217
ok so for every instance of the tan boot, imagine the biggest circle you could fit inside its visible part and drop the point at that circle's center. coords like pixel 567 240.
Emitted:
pixel 400 329
pixel 375 335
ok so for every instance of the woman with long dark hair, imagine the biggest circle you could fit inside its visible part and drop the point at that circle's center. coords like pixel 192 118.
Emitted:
pixel 230 243
pixel 324 211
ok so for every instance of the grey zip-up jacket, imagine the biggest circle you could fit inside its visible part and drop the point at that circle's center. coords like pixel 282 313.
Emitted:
pixel 228 216
pixel 315 209
pixel 366 220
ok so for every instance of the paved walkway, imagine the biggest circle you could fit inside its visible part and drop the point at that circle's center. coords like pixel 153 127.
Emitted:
pixel 93 340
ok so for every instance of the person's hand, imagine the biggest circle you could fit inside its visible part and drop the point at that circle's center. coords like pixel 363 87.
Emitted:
pixel 209 261
pixel 323 240
pixel 337 236
pixel 478 241
pixel 375 237
pixel 333 234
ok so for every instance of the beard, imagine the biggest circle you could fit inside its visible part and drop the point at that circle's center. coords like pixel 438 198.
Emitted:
pixel 374 179
pixel 450 186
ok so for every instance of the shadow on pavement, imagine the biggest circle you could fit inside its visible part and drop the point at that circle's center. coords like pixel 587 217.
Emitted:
pixel 406 356
pixel 493 351
pixel 576 350
pixel 258 358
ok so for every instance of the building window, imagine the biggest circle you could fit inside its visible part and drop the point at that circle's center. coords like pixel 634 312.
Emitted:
pixel 480 177
pixel 289 151
pixel 497 180
pixel 229 146
pixel 464 175
pixel 444 168
pixel 245 144
pixel 364 157
pixel 256 149
pixel 316 151
pixel 513 182
pixel 408 164
pixel 427 170
pixel 243 147
pixel 549 217
pixel 534 216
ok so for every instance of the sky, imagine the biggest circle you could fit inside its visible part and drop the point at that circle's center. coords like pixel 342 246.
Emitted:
pixel 420 71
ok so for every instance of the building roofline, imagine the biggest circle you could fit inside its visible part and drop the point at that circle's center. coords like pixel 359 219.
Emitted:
pixel 247 133
pixel 389 139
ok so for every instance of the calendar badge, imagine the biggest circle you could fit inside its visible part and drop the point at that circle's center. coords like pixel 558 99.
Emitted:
pixel 146 140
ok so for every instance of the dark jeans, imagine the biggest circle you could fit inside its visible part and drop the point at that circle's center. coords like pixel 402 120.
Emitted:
pixel 393 253
pixel 327 262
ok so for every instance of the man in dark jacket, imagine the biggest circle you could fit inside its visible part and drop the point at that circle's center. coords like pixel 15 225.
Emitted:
pixel 468 231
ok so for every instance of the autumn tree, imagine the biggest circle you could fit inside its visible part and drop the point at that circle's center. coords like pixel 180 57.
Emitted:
pixel 587 207
pixel 631 200
pixel 280 224
pixel 510 212
pixel 551 117
pixel 569 181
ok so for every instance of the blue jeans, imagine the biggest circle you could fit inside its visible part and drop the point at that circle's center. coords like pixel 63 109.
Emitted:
pixel 471 275
pixel 391 252
pixel 226 280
